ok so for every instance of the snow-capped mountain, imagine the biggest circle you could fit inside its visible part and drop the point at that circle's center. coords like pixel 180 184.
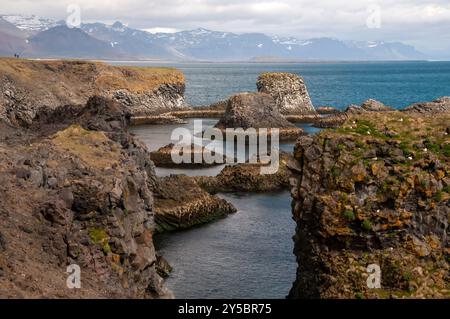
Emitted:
pixel 40 37
pixel 31 23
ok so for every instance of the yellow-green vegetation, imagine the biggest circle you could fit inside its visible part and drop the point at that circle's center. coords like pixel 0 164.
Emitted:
pixel 138 79
pixel 415 136
pixel 92 147
pixel 85 78
pixel 100 237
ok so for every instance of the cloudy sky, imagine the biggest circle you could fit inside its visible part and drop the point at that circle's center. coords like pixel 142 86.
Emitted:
pixel 423 23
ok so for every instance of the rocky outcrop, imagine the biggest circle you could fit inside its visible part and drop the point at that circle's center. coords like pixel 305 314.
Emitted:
pixel 256 110
pixel 248 178
pixel 326 110
pixel 162 119
pixel 289 92
pixel 440 105
pixel 375 106
pixel 77 193
pixel 374 192
pixel 163 157
pixel 27 87
pixel 180 204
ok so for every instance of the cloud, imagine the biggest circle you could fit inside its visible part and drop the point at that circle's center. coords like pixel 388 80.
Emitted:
pixel 423 23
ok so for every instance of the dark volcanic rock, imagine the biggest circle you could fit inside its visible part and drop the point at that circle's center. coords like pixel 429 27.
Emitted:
pixel 180 203
pixel 84 198
pixel 374 192
pixel 325 110
pixel 46 85
pixel 289 92
pixel 163 157
pixel 252 110
pixel 440 105
pixel 248 178
pixel 257 110
pixel 375 106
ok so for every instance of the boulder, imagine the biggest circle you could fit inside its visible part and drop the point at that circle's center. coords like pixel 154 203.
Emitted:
pixel 289 92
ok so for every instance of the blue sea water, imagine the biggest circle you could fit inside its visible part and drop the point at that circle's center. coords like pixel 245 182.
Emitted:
pixel 398 84
pixel 250 254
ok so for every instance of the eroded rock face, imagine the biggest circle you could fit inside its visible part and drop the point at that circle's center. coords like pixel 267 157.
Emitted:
pixel 180 204
pixel 375 106
pixel 375 191
pixel 289 92
pixel 77 193
pixel 252 110
pixel 28 87
pixel 248 178
pixel 440 105
pixel 257 110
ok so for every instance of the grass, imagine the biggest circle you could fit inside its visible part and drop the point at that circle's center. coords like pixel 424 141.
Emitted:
pixel 91 147
pixel 85 77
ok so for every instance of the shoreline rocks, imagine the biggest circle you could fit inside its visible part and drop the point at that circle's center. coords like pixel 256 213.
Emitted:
pixel 181 204
pixel 163 157
pixel 438 106
pixel 289 92
pixel 248 178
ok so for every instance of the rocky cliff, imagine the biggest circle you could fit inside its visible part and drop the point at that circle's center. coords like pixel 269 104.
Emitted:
pixel 28 86
pixel 288 90
pixel 374 192
pixel 75 188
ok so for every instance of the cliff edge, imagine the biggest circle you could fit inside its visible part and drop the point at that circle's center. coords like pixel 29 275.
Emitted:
pixel 27 86
pixel 376 191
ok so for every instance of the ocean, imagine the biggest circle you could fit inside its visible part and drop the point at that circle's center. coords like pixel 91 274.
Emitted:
pixel 250 254
pixel 397 84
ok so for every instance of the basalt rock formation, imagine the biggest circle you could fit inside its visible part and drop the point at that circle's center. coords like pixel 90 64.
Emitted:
pixel 248 178
pixel 27 87
pixel 374 192
pixel 289 92
pixel 180 204
pixel 375 106
pixel 163 157
pixel 256 110
pixel 77 191
pixel 441 105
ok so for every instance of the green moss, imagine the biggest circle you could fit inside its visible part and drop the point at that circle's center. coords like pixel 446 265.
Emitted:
pixel 107 248
pixel 404 146
pixel 359 295
pixel 98 235
pixel 446 189
pixel 349 215
pixel 446 150
pixel 366 225
pixel 335 171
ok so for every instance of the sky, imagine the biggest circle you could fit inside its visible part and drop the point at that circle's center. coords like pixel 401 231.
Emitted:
pixel 422 23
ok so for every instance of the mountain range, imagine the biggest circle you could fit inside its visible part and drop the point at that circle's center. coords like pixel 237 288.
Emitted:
pixel 32 36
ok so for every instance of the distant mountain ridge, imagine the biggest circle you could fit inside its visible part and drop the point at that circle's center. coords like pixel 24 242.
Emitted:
pixel 40 37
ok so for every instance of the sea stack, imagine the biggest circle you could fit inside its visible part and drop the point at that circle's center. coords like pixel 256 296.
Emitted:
pixel 289 92
pixel 256 110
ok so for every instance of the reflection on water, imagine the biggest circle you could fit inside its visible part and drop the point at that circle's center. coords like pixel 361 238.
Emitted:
pixel 157 136
pixel 246 255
